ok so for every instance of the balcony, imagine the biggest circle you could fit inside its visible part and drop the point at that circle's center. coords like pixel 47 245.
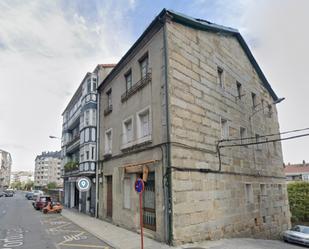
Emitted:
pixel 136 87
pixel 108 110
pixel 71 168
pixel 128 144
pixel 73 144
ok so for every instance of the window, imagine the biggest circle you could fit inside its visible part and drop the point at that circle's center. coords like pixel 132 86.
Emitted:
pixel 87 114
pixel 126 192
pixel 109 98
pixel 220 76
pixel 263 189
pixel 275 148
pixel 270 110
pixel 249 193
pixel 258 140
pixel 87 135
pixel 144 66
pixel 239 90
pixel 94 117
pixel 94 86
pixel 127 131
pixel 93 134
pixel 224 129
pixel 243 134
pixel 253 96
pixel 128 77
pixel 92 153
pixel 108 141
pixel 144 128
pixel 87 155
pixel 88 86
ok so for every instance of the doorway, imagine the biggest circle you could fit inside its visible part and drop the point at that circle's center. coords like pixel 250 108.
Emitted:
pixel 109 197
pixel 149 203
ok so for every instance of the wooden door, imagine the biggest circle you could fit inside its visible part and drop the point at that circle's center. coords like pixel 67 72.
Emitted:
pixel 109 196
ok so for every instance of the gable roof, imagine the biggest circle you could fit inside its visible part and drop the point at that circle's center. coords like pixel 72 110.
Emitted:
pixel 196 24
pixel 296 169
pixel 212 27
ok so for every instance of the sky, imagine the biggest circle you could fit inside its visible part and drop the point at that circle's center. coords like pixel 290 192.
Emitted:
pixel 47 47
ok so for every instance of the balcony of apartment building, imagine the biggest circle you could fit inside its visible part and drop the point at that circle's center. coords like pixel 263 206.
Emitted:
pixel 73 144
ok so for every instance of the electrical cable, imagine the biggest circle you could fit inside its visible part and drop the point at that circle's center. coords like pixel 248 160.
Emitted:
pixel 261 136
pixel 264 142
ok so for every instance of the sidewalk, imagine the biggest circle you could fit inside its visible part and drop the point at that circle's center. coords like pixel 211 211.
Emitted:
pixel 115 236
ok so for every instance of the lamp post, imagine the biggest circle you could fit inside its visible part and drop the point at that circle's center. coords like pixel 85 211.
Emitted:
pixel 54 137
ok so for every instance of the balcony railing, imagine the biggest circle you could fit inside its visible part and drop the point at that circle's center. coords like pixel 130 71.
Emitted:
pixel 108 110
pixel 136 87
pixel 73 143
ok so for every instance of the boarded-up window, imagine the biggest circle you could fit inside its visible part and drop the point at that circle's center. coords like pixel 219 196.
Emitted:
pixel 127 192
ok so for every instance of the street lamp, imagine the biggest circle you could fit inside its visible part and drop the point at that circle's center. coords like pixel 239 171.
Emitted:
pixel 54 137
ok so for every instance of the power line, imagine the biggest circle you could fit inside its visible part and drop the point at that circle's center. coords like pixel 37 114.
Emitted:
pixel 264 142
pixel 261 136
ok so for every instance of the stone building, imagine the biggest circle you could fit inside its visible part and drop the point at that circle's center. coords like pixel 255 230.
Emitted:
pixel 5 169
pixel 79 141
pixel 172 108
pixel 47 169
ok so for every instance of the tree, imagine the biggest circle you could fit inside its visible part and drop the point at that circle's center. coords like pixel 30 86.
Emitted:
pixel 52 185
pixel 29 185
pixel 299 201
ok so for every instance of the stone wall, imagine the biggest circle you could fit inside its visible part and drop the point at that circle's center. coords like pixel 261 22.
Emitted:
pixel 250 198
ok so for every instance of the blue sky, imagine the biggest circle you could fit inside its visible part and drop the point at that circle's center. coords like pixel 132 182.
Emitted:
pixel 46 48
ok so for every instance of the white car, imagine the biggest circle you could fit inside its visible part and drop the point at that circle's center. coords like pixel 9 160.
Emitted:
pixel 298 234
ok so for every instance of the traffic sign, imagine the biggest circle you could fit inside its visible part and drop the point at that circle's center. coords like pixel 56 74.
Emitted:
pixel 139 185
pixel 83 184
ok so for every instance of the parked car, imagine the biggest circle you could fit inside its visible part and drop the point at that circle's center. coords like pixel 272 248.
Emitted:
pixel 1 194
pixel 298 234
pixel 37 193
pixel 8 193
pixel 29 195
pixel 41 202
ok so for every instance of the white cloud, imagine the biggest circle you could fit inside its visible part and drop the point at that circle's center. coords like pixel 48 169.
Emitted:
pixel 45 51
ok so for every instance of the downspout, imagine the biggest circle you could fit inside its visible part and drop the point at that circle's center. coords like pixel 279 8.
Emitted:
pixel 97 154
pixel 169 200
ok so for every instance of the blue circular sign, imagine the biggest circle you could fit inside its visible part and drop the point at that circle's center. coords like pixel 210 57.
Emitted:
pixel 83 184
pixel 139 185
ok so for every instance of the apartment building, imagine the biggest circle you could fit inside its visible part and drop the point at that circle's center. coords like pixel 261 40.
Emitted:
pixel 170 111
pixel 5 169
pixel 22 176
pixel 79 141
pixel 47 169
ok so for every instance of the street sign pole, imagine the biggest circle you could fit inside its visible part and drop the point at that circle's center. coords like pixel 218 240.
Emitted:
pixel 139 188
pixel 141 218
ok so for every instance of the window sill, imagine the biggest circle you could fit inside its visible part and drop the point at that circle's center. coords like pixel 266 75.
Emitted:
pixel 144 139
pixel 108 110
pixel 127 145
pixel 107 154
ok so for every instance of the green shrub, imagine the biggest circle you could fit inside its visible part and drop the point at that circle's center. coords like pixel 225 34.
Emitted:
pixel 299 201
pixel 70 166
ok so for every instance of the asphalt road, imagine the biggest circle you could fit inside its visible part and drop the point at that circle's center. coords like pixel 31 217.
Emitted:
pixel 23 227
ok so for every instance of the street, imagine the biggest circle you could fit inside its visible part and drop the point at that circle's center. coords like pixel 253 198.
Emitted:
pixel 23 227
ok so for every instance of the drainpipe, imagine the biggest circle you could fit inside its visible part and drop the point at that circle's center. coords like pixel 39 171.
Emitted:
pixel 168 200
pixel 97 153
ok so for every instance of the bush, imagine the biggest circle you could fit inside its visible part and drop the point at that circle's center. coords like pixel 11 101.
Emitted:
pixel 70 166
pixel 299 201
